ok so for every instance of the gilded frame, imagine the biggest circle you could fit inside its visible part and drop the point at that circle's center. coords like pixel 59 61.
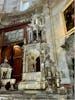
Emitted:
pixel 72 30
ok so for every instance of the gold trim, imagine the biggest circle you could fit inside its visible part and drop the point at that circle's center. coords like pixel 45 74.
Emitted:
pixel 71 31
pixel 67 5
pixel 64 24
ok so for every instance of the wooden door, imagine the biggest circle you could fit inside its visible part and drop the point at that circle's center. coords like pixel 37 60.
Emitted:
pixel 14 56
pixel 17 63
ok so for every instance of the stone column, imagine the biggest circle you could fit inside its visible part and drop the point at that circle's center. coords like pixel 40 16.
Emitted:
pixel 50 32
pixel 24 49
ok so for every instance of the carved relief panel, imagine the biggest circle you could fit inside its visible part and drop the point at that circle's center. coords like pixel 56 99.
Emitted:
pixel 32 58
pixel 36 57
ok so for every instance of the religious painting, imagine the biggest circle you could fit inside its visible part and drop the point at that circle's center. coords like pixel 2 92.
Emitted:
pixel 15 35
pixel 69 16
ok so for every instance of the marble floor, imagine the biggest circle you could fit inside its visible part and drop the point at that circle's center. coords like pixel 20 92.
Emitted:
pixel 21 95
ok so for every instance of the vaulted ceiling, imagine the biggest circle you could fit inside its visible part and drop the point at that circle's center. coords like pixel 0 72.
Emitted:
pixel 15 5
pixel 17 9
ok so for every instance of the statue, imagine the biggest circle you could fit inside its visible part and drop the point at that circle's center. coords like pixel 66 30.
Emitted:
pixel 5 69
pixel 36 30
pixel 5 64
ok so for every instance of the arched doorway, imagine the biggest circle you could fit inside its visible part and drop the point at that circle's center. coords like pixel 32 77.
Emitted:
pixel 38 64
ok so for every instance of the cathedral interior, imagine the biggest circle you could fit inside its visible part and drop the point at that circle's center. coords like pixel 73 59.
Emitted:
pixel 37 50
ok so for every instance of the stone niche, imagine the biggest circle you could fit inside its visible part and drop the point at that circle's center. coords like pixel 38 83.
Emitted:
pixel 34 66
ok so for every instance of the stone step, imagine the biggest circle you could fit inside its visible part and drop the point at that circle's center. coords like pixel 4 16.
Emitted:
pixel 27 98
pixel 20 95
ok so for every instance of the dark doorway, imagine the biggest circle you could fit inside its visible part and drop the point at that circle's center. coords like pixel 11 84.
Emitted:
pixel 38 64
pixel 73 60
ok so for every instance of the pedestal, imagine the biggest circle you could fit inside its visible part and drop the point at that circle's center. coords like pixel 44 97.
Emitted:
pixel 3 88
pixel 5 81
pixel 32 81
pixel 12 82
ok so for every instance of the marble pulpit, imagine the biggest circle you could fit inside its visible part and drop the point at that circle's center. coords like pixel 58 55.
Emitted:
pixel 35 53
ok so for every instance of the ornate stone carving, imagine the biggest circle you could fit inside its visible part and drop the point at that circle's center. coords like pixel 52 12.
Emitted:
pixel 36 30
pixel 5 74
pixel 34 65
pixel 5 70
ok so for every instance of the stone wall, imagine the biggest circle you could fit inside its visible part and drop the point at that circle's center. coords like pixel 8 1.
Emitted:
pixel 56 37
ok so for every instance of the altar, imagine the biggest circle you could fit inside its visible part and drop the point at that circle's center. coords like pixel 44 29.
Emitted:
pixel 32 81
pixel 33 76
pixel 35 56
